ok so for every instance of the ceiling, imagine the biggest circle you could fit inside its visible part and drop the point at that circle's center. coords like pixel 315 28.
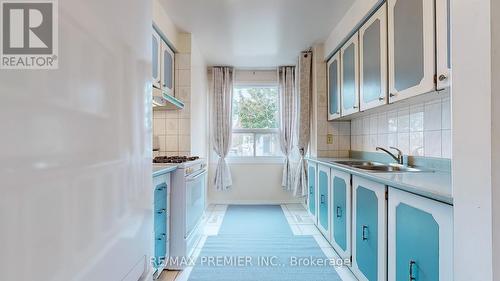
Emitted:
pixel 255 33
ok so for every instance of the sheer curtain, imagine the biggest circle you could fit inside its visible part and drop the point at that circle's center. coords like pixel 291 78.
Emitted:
pixel 222 88
pixel 304 129
pixel 286 78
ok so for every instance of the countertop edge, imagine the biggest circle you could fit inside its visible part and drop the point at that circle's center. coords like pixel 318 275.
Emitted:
pixel 164 170
pixel 372 176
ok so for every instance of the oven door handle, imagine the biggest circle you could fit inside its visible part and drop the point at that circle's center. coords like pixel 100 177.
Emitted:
pixel 195 176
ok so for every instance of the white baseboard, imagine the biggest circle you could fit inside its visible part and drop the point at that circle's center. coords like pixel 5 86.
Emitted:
pixel 256 202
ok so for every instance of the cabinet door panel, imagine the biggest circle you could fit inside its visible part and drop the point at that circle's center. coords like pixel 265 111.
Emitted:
pixel 334 87
pixel 369 230
pixel 420 235
pixel 411 48
pixel 156 43
pixel 311 201
pixel 168 65
pixel 323 185
pixel 443 41
pixel 373 60
pixel 340 213
pixel 350 77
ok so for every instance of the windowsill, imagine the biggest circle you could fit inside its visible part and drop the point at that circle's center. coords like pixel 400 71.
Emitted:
pixel 256 160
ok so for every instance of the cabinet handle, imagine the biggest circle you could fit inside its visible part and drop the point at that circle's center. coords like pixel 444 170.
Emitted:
pixel 339 212
pixel 411 277
pixel 392 95
pixel 381 98
pixel 354 107
pixel 161 211
pixel 311 190
pixel 322 199
pixel 442 77
pixel 363 233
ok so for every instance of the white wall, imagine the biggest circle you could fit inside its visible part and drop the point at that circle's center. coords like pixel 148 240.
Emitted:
pixel 167 26
pixel 199 102
pixel 359 10
pixel 495 105
pixel 471 139
pixel 75 173
pixel 253 183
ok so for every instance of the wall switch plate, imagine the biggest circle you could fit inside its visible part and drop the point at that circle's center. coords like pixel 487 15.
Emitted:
pixel 329 139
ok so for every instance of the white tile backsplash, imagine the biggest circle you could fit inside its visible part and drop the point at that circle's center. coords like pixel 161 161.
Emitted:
pixel 421 129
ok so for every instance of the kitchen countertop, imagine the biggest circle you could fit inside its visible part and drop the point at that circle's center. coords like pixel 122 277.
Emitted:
pixel 434 185
pixel 160 169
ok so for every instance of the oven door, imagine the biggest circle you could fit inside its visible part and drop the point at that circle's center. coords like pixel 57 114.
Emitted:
pixel 195 199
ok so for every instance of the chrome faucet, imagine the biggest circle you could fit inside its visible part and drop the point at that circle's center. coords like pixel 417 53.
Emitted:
pixel 398 158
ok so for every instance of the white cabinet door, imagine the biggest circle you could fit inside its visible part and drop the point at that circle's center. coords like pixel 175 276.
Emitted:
pixel 349 60
pixel 333 72
pixel 340 213
pixel 312 185
pixel 411 48
pixel 167 69
pixel 369 222
pixel 443 60
pixel 156 58
pixel 420 235
pixel 323 200
pixel 373 60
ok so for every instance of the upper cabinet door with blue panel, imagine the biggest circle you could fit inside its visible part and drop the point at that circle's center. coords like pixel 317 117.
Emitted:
pixel 311 199
pixel 349 59
pixel 156 51
pixel 333 70
pixel 369 230
pixel 420 238
pixel 411 48
pixel 324 194
pixel 168 69
pixel 340 213
pixel 373 60
pixel 443 59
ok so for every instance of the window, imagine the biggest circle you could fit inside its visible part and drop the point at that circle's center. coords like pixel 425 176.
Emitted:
pixel 255 122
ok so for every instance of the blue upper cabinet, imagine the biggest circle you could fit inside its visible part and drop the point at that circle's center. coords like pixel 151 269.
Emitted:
pixel 156 45
pixel 420 238
pixel 323 195
pixel 411 48
pixel 373 60
pixel 349 58
pixel 340 213
pixel 369 230
pixel 333 70
pixel 168 69
pixel 311 199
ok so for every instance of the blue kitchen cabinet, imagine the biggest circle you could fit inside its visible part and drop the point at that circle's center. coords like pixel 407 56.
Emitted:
pixel 323 195
pixel 311 199
pixel 333 80
pixel 156 45
pixel 369 230
pixel 168 69
pixel 349 59
pixel 420 238
pixel 161 220
pixel 341 213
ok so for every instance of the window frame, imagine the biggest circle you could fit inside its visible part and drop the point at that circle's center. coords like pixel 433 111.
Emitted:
pixel 257 131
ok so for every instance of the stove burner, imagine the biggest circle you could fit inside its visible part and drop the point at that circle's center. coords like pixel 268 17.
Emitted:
pixel 174 159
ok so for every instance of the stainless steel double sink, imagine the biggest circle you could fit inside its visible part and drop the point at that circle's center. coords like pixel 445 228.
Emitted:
pixel 377 167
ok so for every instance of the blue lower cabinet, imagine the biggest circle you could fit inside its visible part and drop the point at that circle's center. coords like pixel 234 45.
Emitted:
pixel 323 195
pixel 420 238
pixel 160 221
pixel 369 230
pixel 341 212
pixel 311 200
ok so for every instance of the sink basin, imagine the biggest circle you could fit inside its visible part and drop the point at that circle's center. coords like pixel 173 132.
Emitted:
pixel 389 168
pixel 359 163
pixel 379 167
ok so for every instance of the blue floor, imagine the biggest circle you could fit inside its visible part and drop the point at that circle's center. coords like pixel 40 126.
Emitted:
pixel 255 243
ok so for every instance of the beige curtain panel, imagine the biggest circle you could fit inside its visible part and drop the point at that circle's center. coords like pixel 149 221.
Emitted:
pixel 222 89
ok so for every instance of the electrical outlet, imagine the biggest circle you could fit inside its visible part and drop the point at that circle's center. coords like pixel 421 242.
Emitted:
pixel 329 139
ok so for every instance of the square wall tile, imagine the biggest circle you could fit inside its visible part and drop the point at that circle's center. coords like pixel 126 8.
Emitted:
pixel 184 126
pixel 432 116
pixel 172 143
pixel 404 120
pixel 417 143
pixel 432 143
pixel 392 121
pixel 446 114
pixel 184 78
pixel 373 124
pixel 185 143
pixel 404 142
pixel 172 126
pixel 446 144
pixel 159 128
pixel 382 123
pixel 417 118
